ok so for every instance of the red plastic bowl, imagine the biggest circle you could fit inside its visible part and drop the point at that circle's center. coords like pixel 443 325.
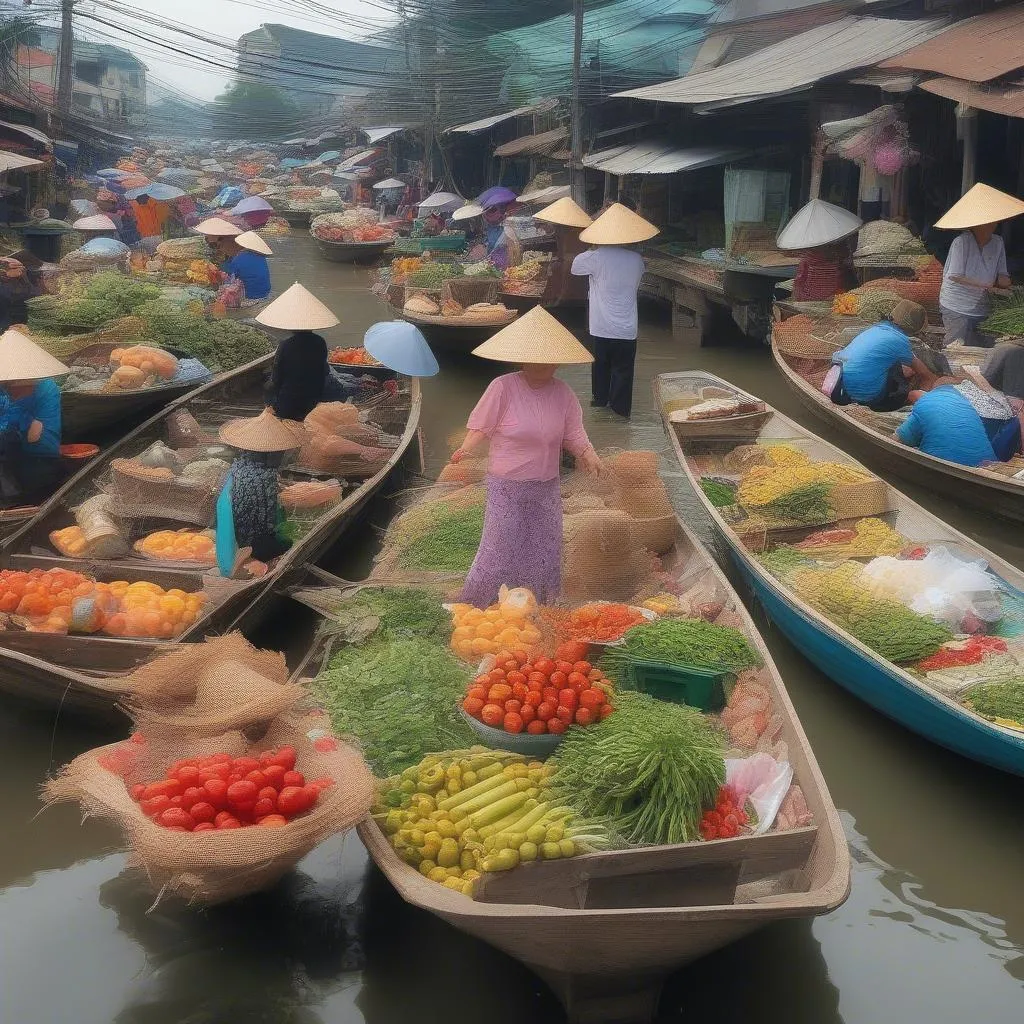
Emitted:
pixel 79 451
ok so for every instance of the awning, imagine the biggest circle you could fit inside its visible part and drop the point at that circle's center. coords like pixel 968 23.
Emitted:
pixel 659 158
pixel 375 135
pixel 1006 99
pixel 796 63
pixel 31 133
pixel 542 106
pixel 546 195
pixel 976 50
pixel 533 145
pixel 16 162
pixel 354 161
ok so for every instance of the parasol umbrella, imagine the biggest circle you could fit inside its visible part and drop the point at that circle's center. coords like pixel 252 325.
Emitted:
pixel 252 204
pixel 112 172
pixel 499 195
pixel 157 191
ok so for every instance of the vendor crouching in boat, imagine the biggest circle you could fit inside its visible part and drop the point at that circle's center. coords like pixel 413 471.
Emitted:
pixel 248 510
pixel 944 423
pixel 879 367
pixel 31 468
pixel 528 417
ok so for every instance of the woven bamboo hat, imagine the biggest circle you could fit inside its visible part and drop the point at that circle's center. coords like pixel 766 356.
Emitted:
pixel 983 204
pixel 536 337
pixel 251 241
pixel 216 226
pixel 22 359
pixel 468 212
pixel 263 433
pixel 818 223
pixel 97 222
pixel 565 212
pixel 618 225
pixel 297 310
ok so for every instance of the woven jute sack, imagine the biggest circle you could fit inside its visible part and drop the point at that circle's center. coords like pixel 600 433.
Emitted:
pixel 851 501
pixel 209 688
pixel 212 867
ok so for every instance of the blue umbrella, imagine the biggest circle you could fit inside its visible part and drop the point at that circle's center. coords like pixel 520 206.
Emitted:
pixel 401 347
pixel 228 196
pixel 330 154
pixel 112 172
pixel 496 196
pixel 156 190
pixel 104 247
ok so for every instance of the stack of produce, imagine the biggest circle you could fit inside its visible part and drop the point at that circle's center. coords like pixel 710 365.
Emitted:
pixel 441 536
pixel 359 225
pixel 528 278
pixel 205 273
pixel 1002 703
pixel 356 356
pixel 1007 315
pixel 601 622
pixel 507 625
pixel 403 266
pixel 868 538
pixel 179 546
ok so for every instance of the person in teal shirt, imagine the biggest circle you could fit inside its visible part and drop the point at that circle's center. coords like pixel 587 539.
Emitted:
pixel 943 423
pixel 30 421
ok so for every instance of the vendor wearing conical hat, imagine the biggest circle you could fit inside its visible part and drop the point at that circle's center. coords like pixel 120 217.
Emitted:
pixel 976 265
pixel 245 257
pixel 30 424
pixel 568 220
pixel 248 509
pixel 615 271
pixel 528 417
pixel 121 214
pixel 301 369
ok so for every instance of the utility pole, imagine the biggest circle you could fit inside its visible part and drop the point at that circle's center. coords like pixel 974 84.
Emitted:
pixel 576 174
pixel 65 58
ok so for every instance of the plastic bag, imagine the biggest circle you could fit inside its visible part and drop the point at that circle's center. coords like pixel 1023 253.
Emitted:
pixel 763 781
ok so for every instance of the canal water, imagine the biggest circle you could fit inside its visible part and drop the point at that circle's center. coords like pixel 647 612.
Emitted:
pixel 933 931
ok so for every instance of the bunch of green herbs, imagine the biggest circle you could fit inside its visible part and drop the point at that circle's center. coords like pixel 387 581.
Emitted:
pixel 998 700
pixel 691 642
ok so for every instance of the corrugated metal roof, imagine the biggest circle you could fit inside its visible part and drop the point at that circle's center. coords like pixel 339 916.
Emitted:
pixel 354 161
pixel 659 158
pixel 17 162
pixel 976 50
pixel 29 132
pixel 489 122
pixel 797 62
pixel 1006 99
pixel 375 135
pixel 533 145
pixel 545 195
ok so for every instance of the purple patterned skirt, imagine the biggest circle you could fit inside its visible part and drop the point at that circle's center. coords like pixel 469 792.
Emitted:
pixel 521 544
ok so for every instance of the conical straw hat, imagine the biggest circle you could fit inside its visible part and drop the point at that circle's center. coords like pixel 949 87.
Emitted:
pixel 817 223
pixel 297 310
pixel 618 225
pixel 983 204
pixel 22 359
pixel 251 241
pixel 565 212
pixel 217 226
pixel 263 433
pixel 468 211
pixel 536 337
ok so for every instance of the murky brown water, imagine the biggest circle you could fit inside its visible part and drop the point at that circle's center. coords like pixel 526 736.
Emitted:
pixel 932 933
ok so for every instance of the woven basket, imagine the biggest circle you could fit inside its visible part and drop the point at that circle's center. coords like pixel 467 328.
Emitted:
pixel 135 498
pixel 468 290
pixel 795 337
pixel 853 501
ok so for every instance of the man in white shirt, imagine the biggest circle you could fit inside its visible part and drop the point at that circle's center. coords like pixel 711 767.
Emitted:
pixel 615 272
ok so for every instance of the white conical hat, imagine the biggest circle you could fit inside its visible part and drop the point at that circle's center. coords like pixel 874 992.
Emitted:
pixel 468 211
pixel 22 359
pixel 217 226
pixel 817 223
pixel 536 337
pixel 618 225
pixel 565 212
pixel 97 222
pixel 251 241
pixel 297 310
pixel 983 204
pixel 263 433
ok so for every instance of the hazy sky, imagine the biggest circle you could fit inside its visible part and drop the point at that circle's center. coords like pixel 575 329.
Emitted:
pixel 229 18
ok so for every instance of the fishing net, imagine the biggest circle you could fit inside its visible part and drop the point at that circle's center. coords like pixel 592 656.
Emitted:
pixel 223 864
pixel 209 688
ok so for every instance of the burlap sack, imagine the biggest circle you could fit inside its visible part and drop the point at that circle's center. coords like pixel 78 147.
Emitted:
pixel 212 867
pixel 209 688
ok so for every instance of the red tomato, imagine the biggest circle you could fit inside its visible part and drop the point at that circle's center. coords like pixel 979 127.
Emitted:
pixel 499 693
pixel 573 650
pixel 285 757
pixel 478 692
pixel 513 707
pixel 273 821
pixel 222 816
pixel 229 822
pixel 167 787
pixel 591 699
pixel 188 775
pixel 583 667
pixel 578 681
pixel 244 811
pixel 550 693
pixel 137 790
pixel 220 759
pixel 556 726
pixel 528 713
pixel 204 826
pixel 263 808
pixel 293 800
pixel 606 710
pixel 154 805
pixel 532 698
pixel 496 675
pixel 176 800
pixel 544 665
pixel 473 706
pixel 274 774
pixel 312 794
pixel 182 762
pixel 216 791
pixel 176 817
pixel 257 778
pixel 568 698
pixel 492 714
pixel 242 792
pixel 220 769
pixel 267 793
pixel 193 795
pixel 294 778
pixel 521 656
pixel 536 680
pixel 203 812
pixel 537 727
pixel 546 711
pixel 561 665
pixel 559 678
pixel 584 716
pixel 513 722
pixel 243 765
pixel 564 714
pixel 519 691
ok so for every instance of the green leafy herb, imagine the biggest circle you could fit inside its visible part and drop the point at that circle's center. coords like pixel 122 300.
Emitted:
pixel 691 642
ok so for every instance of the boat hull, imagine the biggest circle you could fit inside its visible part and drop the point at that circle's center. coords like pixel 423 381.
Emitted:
pixel 83 414
pixel 357 252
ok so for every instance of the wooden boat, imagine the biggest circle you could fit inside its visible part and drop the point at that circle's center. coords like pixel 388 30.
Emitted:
pixel 79 672
pixel 604 930
pixel 994 492
pixel 351 252
pixel 451 332
pixel 296 218
pixel 888 688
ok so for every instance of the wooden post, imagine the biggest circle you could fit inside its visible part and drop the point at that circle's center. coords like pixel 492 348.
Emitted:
pixel 817 165
pixel 576 173
pixel 967 120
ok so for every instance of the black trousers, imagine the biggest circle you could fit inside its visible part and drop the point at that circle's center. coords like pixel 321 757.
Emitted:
pixel 611 373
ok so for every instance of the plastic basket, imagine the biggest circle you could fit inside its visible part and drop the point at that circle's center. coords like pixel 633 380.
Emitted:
pixel 680 684
pixel 539 747
pixel 444 243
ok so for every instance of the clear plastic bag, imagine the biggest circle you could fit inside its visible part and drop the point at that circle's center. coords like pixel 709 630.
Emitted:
pixel 763 781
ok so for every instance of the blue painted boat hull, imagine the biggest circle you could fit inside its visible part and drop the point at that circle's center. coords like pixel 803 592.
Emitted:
pixel 882 687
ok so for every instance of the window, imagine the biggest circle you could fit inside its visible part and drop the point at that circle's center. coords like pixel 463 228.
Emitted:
pixel 134 79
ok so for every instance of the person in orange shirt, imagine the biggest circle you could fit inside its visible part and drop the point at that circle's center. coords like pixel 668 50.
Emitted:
pixel 150 216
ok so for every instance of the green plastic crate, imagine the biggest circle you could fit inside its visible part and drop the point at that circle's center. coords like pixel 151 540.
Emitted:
pixel 681 684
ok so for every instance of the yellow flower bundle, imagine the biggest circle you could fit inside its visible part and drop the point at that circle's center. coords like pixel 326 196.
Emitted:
pixel 787 455
pixel 765 484
pixel 838 591
pixel 846 304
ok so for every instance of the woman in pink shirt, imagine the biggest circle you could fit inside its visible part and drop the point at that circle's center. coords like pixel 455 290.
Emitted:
pixel 528 417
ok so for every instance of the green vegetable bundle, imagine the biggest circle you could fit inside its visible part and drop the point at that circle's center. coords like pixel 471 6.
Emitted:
pixel 998 700
pixel 718 493
pixel 1007 316
pixel 898 634
pixel 399 698
pixel 783 559
pixel 433 274
pixel 649 770
pixel 806 505
pixel 691 642
pixel 448 541
pixel 391 613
